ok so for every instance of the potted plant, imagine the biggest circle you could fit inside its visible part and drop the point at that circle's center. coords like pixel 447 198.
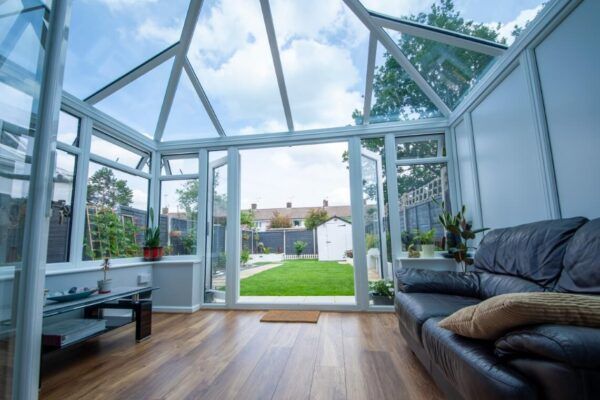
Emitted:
pixel 153 251
pixel 461 228
pixel 426 239
pixel 104 285
pixel 381 292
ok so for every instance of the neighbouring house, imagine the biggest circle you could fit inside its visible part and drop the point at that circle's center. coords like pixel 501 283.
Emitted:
pixel 334 239
pixel 297 215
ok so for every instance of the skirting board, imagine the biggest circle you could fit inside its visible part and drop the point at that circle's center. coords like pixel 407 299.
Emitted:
pixel 176 309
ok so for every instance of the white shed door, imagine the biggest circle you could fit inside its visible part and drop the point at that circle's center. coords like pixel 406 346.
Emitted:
pixel 336 239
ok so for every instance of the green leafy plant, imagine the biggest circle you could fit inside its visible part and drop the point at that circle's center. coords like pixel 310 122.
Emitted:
pixel 279 220
pixel 371 241
pixel 152 235
pixel 299 246
pixel 110 235
pixel 426 237
pixel 245 256
pixel 383 287
pixel 315 217
pixel 460 227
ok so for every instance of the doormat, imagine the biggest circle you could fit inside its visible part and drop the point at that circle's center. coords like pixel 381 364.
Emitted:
pixel 291 316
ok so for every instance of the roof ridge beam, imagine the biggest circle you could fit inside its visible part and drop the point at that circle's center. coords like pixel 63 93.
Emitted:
pixel 187 32
pixel 132 74
pixel 268 18
pixel 369 81
pixel 203 97
pixel 363 15
pixel 441 35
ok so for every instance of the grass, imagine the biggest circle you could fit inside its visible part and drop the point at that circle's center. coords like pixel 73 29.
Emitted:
pixel 301 278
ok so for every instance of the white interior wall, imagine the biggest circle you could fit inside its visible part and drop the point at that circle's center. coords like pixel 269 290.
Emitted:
pixel 509 156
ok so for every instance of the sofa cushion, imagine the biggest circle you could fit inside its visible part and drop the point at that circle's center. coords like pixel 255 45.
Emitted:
pixel 581 272
pixel 576 346
pixel 472 367
pixel 491 285
pixel 532 251
pixel 414 309
pixel 493 317
pixel 412 280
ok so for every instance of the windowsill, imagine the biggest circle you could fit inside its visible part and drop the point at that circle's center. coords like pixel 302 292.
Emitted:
pixel 89 266
pixel 437 256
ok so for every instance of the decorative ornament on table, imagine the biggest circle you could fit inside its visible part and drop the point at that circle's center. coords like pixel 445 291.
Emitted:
pixel 461 232
pixel 104 285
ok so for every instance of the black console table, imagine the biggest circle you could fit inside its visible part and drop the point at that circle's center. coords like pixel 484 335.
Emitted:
pixel 129 298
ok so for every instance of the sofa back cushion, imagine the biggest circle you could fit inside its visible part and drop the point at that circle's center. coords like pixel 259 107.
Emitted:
pixel 532 251
pixel 581 272
pixel 491 285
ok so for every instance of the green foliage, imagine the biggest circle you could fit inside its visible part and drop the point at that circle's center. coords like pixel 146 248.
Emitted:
pixel 105 190
pixel 426 237
pixel 112 236
pixel 187 196
pixel 152 235
pixel 189 242
pixel 458 225
pixel 245 256
pixel 371 241
pixel 301 278
pixel 279 220
pixel 247 218
pixel 383 287
pixel 299 246
pixel 315 217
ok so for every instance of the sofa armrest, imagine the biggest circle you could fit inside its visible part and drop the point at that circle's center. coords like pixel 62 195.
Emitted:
pixel 576 346
pixel 444 282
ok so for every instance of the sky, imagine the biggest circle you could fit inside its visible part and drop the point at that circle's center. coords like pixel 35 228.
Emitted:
pixel 323 49
pixel 322 45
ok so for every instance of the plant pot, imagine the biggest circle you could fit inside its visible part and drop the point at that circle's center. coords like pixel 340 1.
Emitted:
pixel 452 240
pixel 153 253
pixel 380 300
pixel 104 285
pixel 427 250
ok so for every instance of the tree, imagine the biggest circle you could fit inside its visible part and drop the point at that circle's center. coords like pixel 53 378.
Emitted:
pixel 315 217
pixel 451 71
pixel 299 246
pixel 105 190
pixel 247 218
pixel 187 197
pixel 279 220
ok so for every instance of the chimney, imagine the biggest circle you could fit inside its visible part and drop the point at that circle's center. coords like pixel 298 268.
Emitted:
pixel 165 210
pixel 288 204
pixel 253 206
pixel 325 203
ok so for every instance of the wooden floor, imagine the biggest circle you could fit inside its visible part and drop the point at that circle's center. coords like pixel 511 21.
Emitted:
pixel 231 355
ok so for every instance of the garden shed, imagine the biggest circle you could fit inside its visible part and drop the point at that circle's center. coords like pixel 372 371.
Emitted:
pixel 334 238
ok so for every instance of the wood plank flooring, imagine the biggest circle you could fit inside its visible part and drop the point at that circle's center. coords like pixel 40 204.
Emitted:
pixel 231 355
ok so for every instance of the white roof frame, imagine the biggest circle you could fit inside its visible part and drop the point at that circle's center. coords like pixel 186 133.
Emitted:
pixel 369 80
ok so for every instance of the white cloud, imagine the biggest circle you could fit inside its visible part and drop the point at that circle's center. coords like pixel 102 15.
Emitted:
pixel 120 5
pixel 397 8
pixel 151 30
pixel 521 19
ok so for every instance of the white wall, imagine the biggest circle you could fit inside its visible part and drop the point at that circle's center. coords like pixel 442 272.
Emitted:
pixel 569 68
pixel 467 173
pixel 519 177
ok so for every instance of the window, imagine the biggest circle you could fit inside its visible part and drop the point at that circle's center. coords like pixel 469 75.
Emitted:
pixel 422 188
pixel 68 129
pixel 111 149
pixel 182 164
pixel 178 216
pixel 297 222
pixel 59 234
pixel 115 214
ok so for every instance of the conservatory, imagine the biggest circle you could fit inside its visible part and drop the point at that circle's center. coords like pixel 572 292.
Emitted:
pixel 179 160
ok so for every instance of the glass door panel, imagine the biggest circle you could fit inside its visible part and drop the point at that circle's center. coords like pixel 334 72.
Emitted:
pixel 216 259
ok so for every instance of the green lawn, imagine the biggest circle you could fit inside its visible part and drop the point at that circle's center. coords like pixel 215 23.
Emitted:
pixel 301 278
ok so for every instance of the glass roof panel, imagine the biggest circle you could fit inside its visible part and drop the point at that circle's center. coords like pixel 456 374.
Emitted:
pixel 500 16
pixel 323 48
pixel 138 104
pixel 451 71
pixel 230 54
pixel 188 118
pixel 109 38
pixel 396 97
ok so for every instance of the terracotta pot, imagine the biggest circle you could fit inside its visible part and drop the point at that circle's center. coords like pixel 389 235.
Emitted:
pixel 153 253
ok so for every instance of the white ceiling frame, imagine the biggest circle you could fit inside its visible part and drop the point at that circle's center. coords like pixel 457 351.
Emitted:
pixel 268 18
pixel 203 97
pixel 132 75
pixel 440 35
pixel 363 15
pixel 370 75
pixel 187 33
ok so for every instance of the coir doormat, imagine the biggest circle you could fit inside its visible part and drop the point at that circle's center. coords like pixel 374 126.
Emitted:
pixel 291 316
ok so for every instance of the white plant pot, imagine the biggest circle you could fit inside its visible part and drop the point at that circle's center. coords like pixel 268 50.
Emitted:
pixel 104 286
pixel 427 250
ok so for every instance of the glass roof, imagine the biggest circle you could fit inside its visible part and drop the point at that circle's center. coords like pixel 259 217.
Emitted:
pixel 271 66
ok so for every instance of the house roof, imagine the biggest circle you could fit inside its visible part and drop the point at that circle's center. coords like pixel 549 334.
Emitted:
pixel 346 220
pixel 265 214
